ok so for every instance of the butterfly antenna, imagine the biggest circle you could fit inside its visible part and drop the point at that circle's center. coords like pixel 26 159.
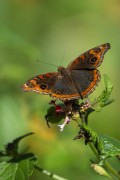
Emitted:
pixel 64 54
pixel 47 63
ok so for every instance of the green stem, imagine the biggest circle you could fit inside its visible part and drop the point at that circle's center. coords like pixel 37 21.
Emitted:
pixel 93 149
pixel 111 169
pixel 54 176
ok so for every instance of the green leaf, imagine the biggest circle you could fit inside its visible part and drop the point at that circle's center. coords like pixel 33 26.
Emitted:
pixel 103 99
pixel 110 145
pixel 17 171
pixel 54 117
pixel 106 146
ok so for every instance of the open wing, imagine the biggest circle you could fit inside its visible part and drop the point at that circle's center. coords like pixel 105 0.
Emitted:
pixel 85 81
pixel 90 59
pixel 41 84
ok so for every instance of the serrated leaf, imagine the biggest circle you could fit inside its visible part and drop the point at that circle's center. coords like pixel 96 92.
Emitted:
pixel 17 171
pixel 103 99
pixel 112 143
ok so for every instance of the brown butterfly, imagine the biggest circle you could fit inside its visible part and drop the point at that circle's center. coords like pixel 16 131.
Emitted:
pixel 76 81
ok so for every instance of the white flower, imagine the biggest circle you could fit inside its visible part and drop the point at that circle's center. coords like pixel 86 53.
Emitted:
pixel 66 121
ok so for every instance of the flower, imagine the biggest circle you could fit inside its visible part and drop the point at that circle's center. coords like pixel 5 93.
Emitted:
pixel 66 121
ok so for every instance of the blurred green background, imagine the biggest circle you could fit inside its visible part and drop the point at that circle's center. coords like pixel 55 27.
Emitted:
pixel 48 30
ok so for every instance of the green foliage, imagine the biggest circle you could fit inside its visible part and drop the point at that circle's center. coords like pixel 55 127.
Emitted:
pixel 17 171
pixel 103 99
pixel 54 117
pixel 17 166
pixel 106 146
pixel 103 146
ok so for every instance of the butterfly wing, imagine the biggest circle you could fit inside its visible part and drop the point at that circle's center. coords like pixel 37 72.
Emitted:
pixel 56 85
pixel 80 81
pixel 41 83
pixel 90 59
pixel 85 81
pixel 64 88
pixel 78 85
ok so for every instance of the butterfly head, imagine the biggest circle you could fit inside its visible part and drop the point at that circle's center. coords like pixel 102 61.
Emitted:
pixel 63 71
pixel 60 68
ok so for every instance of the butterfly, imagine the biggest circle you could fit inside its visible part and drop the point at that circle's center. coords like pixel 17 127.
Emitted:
pixel 76 81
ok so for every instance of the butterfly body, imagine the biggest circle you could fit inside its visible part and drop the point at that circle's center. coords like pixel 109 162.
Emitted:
pixel 76 81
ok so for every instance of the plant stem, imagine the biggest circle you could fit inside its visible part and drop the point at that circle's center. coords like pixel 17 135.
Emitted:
pixel 93 149
pixel 111 169
pixel 52 175
pixel 107 166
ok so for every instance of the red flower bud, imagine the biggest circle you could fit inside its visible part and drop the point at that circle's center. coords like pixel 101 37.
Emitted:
pixel 58 109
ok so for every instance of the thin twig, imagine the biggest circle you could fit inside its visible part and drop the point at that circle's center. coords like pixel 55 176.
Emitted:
pixel 52 175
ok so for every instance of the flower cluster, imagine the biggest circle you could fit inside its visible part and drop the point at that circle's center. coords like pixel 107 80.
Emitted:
pixel 67 111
